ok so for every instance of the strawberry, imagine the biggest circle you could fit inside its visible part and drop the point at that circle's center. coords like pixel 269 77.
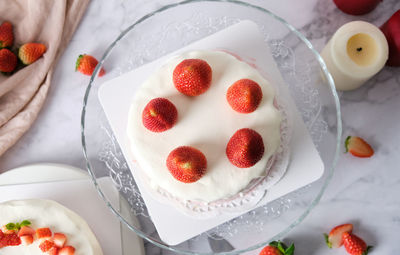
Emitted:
pixel 43 233
pixel 358 147
pixel 187 164
pixel 30 52
pixel 355 245
pixel 60 239
pixel 67 250
pixel 244 96
pixel 6 34
pixel 26 239
pixel 334 239
pixel 46 245
pixel 245 148
pixel 8 61
pixel 53 251
pixel 277 248
pixel 9 240
pixel 192 77
pixel 159 115
pixel 86 64
pixel 25 230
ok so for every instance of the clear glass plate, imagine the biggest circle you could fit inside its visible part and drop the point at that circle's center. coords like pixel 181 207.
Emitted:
pixel 171 28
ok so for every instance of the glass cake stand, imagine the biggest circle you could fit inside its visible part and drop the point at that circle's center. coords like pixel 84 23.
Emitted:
pixel 309 83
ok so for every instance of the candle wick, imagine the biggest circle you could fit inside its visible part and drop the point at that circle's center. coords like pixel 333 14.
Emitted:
pixel 359 49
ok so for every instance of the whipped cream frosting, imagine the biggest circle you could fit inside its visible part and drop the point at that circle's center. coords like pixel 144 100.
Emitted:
pixel 205 122
pixel 47 213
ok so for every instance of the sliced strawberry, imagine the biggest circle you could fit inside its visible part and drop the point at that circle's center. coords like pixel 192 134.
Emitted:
pixel 355 245
pixel 245 148
pixel 334 239
pixel 192 77
pixel 26 239
pixel 46 245
pixel 159 115
pixel 187 164
pixel 9 240
pixel 244 96
pixel 60 239
pixel 67 250
pixel 25 230
pixel 43 233
pixel 358 147
pixel 53 251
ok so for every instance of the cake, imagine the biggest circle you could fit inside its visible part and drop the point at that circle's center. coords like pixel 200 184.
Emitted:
pixel 44 227
pixel 203 126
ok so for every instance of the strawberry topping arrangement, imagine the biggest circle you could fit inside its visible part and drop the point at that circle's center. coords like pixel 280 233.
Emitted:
pixel 187 164
pixel 14 234
pixel 244 96
pixel 159 115
pixel 245 148
pixel 192 77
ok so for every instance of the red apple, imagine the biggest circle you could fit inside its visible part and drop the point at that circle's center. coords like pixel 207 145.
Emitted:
pixel 391 29
pixel 356 7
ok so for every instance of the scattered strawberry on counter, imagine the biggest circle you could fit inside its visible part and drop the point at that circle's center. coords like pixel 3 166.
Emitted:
pixel 6 35
pixel 27 53
pixel 192 77
pixel 358 147
pixel 14 234
pixel 30 52
pixel 342 235
pixel 86 64
pixel 277 248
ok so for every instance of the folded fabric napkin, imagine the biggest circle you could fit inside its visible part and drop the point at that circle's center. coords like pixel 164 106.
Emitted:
pixel 22 94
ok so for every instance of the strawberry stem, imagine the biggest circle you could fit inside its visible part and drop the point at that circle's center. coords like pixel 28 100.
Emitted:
pixel 346 143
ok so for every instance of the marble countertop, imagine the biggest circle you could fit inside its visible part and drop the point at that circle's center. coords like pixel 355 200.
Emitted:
pixel 362 191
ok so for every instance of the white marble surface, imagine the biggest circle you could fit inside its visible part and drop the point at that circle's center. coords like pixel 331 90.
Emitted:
pixel 363 191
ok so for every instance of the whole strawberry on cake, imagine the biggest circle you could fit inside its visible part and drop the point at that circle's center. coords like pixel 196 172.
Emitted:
pixel 203 126
pixel 34 227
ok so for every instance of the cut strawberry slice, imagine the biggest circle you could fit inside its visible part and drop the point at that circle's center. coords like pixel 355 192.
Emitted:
pixel 9 240
pixel 46 245
pixel 334 239
pixel 53 251
pixel 60 239
pixel 358 147
pixel 67 250
pixel 43 233
pixel 27 239
pixel 25 230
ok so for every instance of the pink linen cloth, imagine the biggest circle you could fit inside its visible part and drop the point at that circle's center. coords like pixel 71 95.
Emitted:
pixel 51 22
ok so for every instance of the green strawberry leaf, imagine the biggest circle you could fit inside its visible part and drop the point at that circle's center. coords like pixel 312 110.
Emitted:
pixel 274 244
pixel 346 143
pixel 329 244
pixel 25 223
pixel 369 248
pixel 281 248
pixel 10 226
pixel 290 250
pixel 78 62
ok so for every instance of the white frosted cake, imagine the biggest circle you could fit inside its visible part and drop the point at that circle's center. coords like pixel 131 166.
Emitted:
pixel 44 227
pixel 229 127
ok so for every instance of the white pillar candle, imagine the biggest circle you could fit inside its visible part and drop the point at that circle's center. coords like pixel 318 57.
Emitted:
pixel 356 52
